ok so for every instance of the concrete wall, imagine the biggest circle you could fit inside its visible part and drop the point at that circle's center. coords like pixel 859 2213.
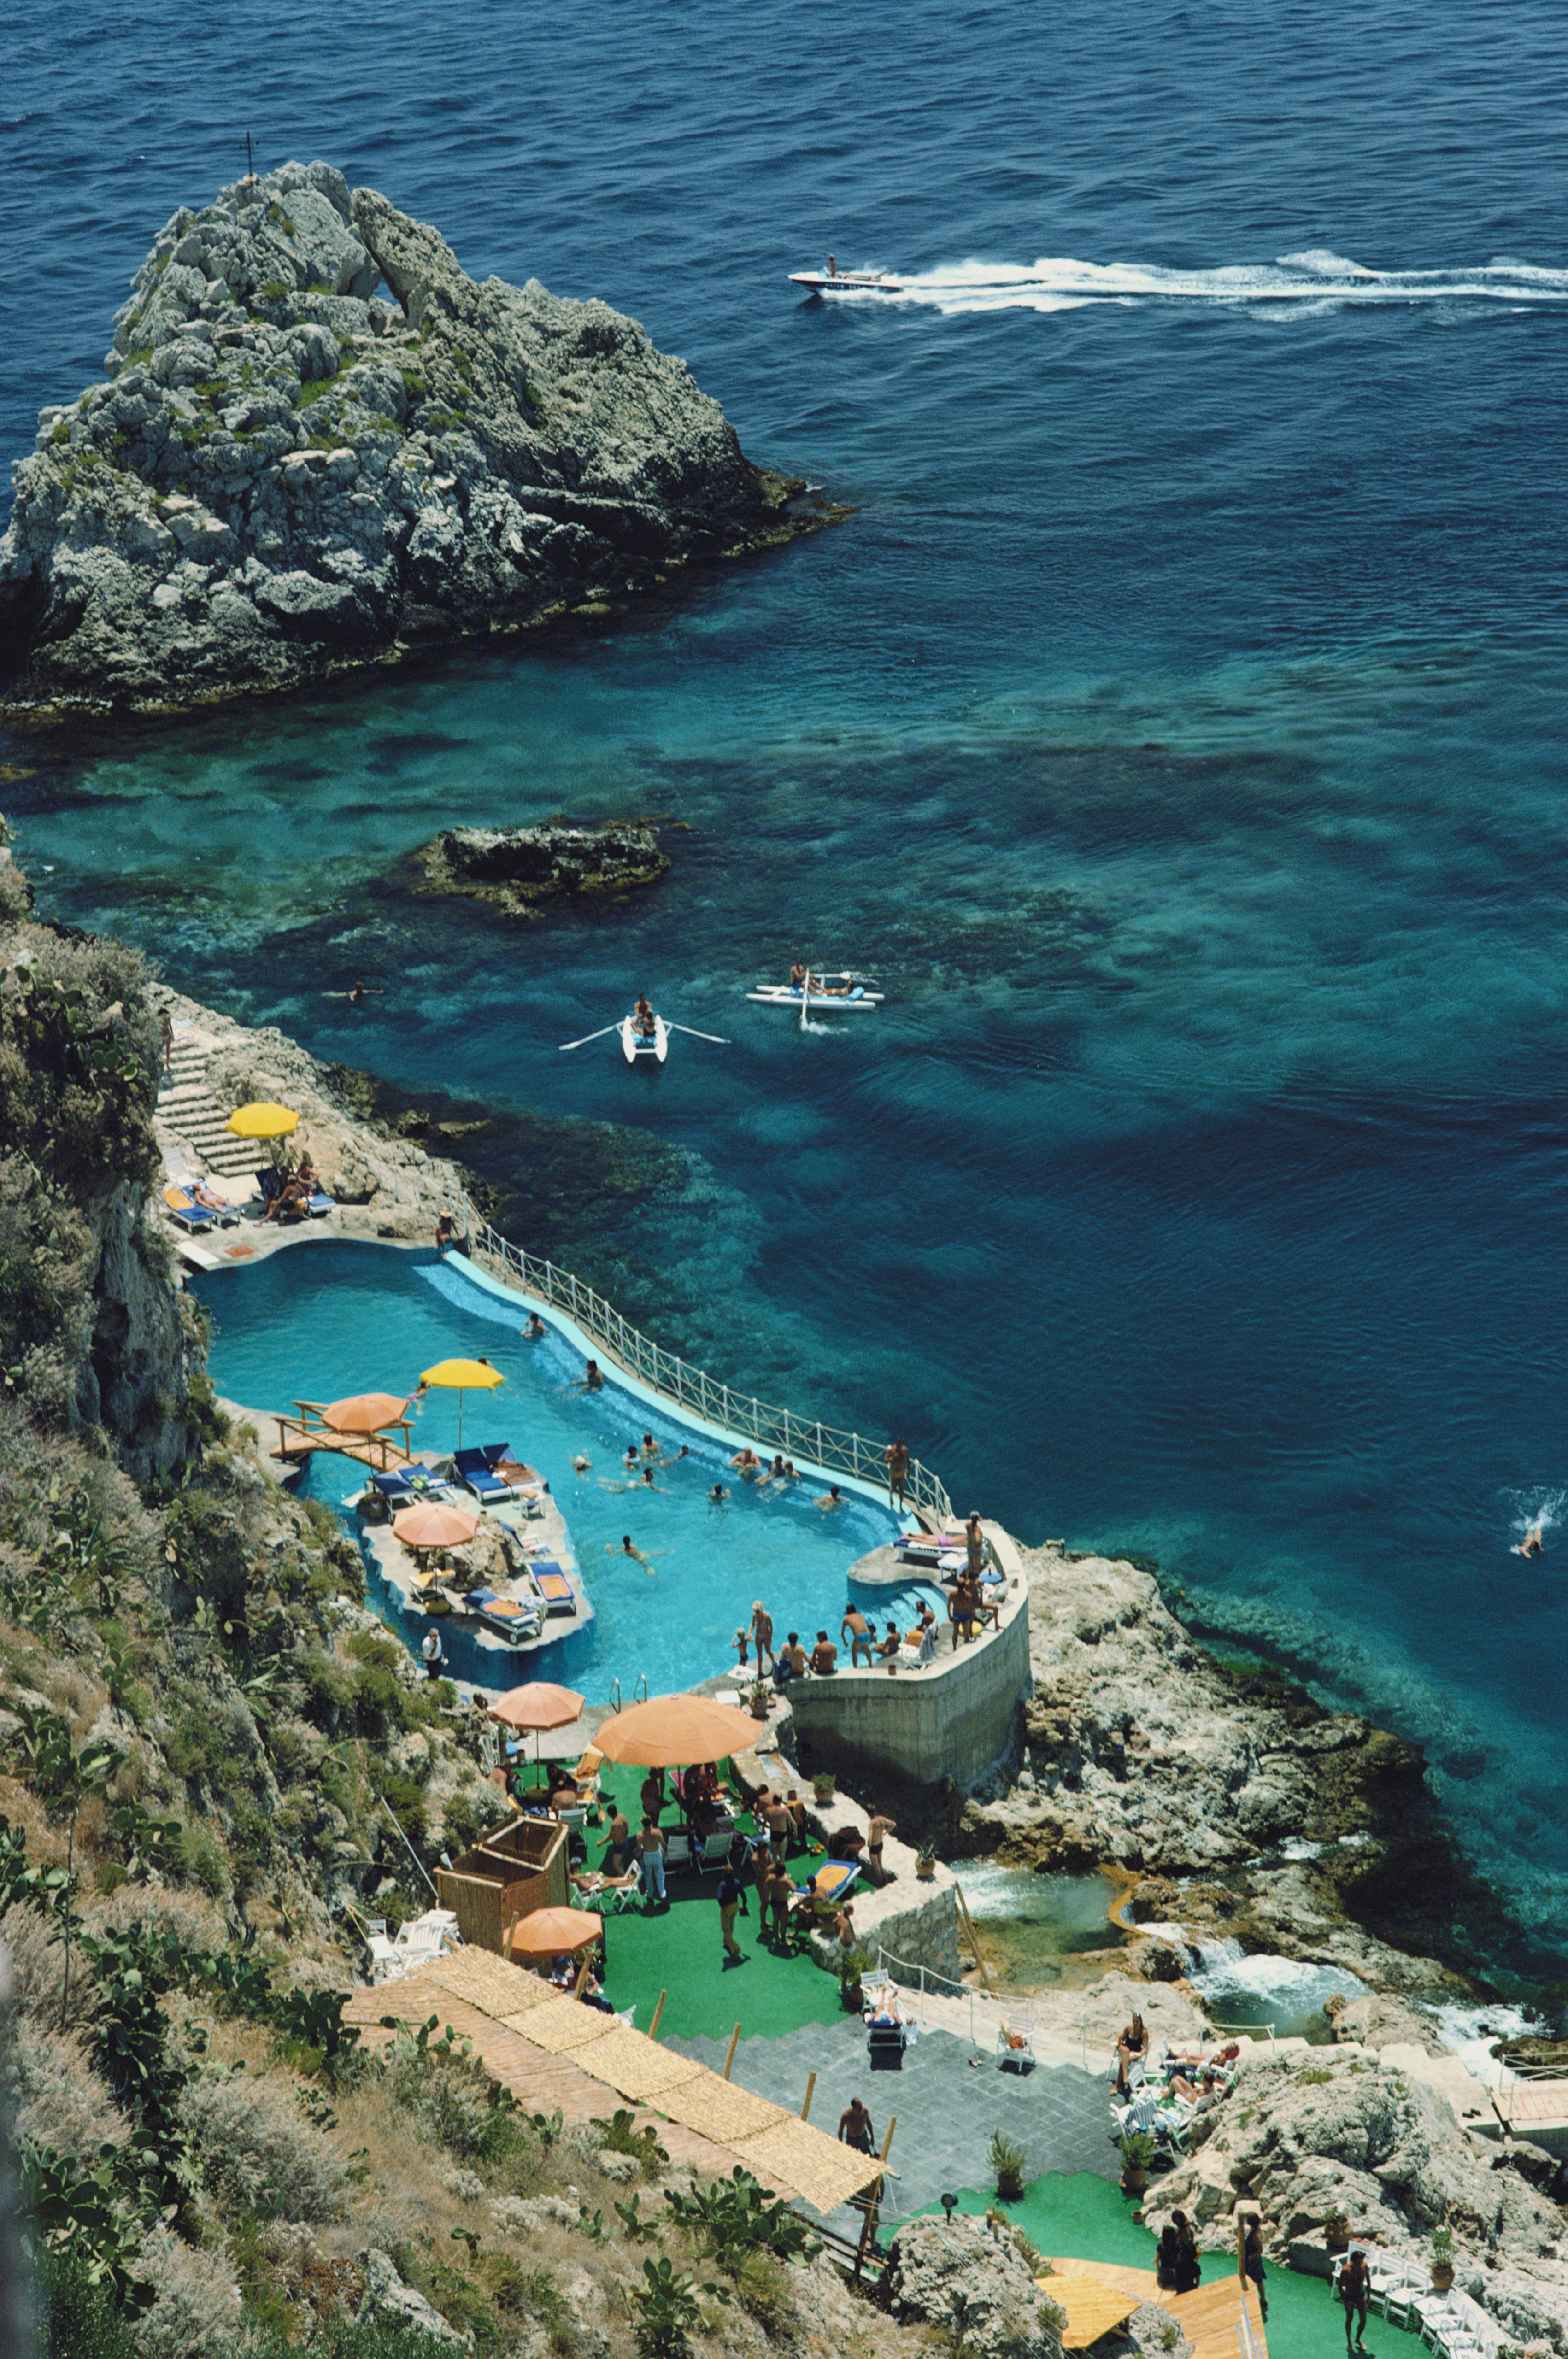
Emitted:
pixel 957 1717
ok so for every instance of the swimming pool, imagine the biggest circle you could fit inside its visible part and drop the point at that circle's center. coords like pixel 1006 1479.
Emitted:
pixel 324 1319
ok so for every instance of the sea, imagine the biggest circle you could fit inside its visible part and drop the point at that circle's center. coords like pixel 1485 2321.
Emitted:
pixel 1176 726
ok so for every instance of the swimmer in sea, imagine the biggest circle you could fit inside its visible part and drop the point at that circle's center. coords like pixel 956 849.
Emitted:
pixel 1532 1544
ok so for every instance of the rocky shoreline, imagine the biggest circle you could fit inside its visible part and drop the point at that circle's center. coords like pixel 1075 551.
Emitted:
pixel 286 477
pixel 1224 1800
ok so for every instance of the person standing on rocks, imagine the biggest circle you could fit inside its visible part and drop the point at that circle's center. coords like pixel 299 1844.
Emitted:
pixel 762 1628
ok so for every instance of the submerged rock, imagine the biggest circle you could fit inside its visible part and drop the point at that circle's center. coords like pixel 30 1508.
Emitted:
pixel 285 475
pixel 516 869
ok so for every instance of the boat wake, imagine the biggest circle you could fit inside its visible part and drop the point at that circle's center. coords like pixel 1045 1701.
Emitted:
pixel 1317 278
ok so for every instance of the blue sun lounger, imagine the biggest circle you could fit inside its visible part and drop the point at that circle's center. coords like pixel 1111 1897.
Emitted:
pixel 476 1468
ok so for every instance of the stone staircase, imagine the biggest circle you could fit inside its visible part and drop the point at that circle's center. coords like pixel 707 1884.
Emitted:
pixel 187 1107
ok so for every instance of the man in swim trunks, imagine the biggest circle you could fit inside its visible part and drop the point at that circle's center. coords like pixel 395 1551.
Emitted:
pixel 745 1461
pixel 895 1458
pixel 891 1644
pixel 856 1632
pixel 824 1656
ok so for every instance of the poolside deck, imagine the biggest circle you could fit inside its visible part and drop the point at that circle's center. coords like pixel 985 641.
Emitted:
pixel 1219 2319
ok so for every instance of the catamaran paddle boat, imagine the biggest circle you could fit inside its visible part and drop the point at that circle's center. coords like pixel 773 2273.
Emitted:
pixel 644 1033
pixel 840 993
pixel 834 281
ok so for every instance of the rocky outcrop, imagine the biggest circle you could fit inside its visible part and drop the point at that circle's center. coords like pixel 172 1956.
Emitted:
pixel 1303 2136
pixel 516 868
pixel 1143 1752
pixel 385 1187
pixel 92 1334
pixel 957 2276
pixel 285 475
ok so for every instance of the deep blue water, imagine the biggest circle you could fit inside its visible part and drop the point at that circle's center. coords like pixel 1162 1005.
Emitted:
pixel 1178 723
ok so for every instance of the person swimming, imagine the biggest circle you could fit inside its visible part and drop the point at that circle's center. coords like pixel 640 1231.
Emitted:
pixel 1532 1544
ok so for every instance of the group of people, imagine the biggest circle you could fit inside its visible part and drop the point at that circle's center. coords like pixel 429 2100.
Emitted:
pixel 291 1201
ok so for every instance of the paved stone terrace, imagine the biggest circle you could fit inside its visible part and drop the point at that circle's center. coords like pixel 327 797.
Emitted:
pixel 948 2105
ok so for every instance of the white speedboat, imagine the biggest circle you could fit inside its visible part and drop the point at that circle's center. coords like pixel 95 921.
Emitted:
pixel 846 282
pixel 635 1044
pixel 845 995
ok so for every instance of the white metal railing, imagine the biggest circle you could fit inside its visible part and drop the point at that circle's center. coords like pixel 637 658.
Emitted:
pixel 1241 2031
pixel 778 1432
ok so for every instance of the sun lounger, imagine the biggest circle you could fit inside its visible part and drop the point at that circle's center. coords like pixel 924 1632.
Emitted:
pixel 553 1585
pixel 186 1213
pixel 225 1215
pixel 481 1470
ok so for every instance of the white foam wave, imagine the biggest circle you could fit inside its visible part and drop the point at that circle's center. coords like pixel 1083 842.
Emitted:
pixel 1317 279
pixel 1290 1984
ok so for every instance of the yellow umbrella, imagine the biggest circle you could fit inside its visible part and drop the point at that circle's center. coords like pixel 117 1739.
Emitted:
pixel 262 1122
pixel 461 1376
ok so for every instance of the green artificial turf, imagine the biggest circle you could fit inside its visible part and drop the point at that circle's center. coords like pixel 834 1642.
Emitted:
pixel 1087 2219
pixel 680 1950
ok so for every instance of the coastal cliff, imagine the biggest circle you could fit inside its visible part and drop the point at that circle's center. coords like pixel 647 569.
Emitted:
pixel 287 475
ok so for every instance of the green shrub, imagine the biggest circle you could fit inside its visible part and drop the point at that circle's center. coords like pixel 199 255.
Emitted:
pixel 621 2135
pixel 275 291
pixel 83 2318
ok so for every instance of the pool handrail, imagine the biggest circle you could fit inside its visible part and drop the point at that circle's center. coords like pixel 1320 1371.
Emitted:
pixel 775 1431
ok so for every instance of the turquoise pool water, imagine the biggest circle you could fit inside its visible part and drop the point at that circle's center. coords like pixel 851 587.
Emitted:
pixel 324 1319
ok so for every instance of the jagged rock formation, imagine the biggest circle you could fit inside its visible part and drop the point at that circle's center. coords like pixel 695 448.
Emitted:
pixel 516 869
pixel 1145 1752
pixel 958 2277
pixel 287 475
pixel 1302 2136
pixel 92 1334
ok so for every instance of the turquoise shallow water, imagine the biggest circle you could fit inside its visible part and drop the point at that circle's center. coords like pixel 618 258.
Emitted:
pixel 1178 724
pixel 325 1321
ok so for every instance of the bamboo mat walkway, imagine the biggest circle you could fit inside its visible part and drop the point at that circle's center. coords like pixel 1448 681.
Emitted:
pixel 1210 2316
pixel 549 2051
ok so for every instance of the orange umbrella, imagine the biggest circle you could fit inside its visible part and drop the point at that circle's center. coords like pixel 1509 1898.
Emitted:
pixel 550 1933
pixel 675 1729
pixel 432 1524
pixel 364 1413
pixel 537 1705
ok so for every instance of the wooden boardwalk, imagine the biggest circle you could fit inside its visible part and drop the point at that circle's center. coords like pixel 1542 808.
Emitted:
pixel 302 1436
pixel 1210 2317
